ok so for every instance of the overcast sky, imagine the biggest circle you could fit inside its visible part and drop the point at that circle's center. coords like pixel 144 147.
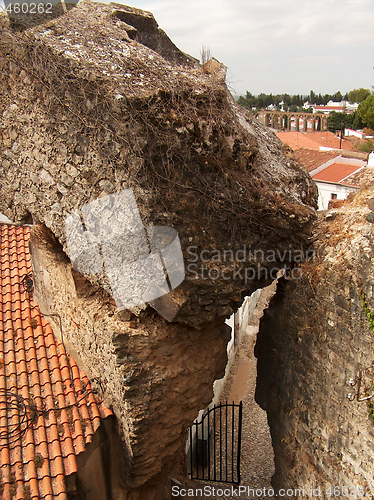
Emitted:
pixel 276 46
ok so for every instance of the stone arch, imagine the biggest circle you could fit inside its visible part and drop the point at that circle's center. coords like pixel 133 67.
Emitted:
pixel 324 122
pixel 304 117
pixel 310 122
pixel 318 123
pixel 292 119
pixel 300 122
pixel 284 121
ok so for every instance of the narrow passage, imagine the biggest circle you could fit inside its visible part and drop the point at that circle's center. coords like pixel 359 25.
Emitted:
pixel 257 463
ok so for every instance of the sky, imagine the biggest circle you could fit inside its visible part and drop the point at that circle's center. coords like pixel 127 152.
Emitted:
pixel 276 46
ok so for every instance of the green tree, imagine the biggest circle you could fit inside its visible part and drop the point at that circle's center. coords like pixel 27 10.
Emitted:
pixel 335 121
pixel 243 102
pixel 287 99
pixel 357 122
pixel 358 95
pixel 366 112
pixel 326 98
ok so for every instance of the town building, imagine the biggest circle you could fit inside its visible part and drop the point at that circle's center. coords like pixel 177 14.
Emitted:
pixel 332 179
pixel 338 107
pixel 331 162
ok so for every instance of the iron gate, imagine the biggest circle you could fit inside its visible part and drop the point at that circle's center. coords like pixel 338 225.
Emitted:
pixel 215 444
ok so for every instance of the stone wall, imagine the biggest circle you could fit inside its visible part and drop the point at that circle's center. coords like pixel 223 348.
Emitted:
pixel 87 111
pixel 313 339
pixel 154 374
pixel 98 101
pixel 238 327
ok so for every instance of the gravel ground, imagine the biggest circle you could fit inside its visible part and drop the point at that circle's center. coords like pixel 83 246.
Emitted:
pixel 257 463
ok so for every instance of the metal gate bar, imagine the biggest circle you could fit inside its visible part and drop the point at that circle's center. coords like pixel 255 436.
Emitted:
pixel 215 444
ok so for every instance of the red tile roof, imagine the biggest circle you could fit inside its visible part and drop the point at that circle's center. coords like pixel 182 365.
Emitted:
pixel 330 140
pixel 336 172
pixel 330 108
pixel 313 140
pixel 312 159
pixel 297 140
pixel 48 411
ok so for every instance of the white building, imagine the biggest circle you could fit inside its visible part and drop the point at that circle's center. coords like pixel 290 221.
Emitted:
pixel 371 159
pixel 331 179
pixel 328 191
pixel 339 107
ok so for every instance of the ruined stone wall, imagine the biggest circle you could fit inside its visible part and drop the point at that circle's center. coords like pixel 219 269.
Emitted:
pixel 314 338
pixel 156 375
pixel 91 105
pixel 87 111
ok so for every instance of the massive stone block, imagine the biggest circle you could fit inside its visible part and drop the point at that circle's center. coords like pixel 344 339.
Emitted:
pixel 99 101
pixel 87 110
pixel 156 375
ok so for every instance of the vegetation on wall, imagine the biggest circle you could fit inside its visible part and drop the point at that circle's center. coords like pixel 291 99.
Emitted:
pixel 369 315
pixel 367 310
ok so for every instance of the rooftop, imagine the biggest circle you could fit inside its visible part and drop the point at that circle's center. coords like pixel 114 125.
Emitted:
pixel 48 409
pixel 313 140
pixel 336 172
pixel 332 108
pixel 312 159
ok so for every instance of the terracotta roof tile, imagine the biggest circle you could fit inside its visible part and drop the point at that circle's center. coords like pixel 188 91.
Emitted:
pixel 312 159
pixel 297 140
pixel 48 411
pixel 336 172
pixel 313 140
pixel 330 108
pixel 330 140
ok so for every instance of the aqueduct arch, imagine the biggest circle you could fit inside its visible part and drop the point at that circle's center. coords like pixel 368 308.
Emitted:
pixel 290 121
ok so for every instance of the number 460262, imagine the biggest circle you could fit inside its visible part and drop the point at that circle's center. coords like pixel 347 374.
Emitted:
pixel 32 8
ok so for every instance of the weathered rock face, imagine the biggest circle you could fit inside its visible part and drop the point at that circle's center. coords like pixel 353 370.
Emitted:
pixel 99 101
pixel 88 111
pixel 313 339
pixel 156 375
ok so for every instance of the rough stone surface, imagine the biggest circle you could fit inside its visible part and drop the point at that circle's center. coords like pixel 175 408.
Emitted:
pixel 156 375
pixel 98 101
pixel 313 339
pixel 88 110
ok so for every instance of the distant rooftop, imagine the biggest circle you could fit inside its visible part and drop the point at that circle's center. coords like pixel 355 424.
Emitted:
pixel 313 140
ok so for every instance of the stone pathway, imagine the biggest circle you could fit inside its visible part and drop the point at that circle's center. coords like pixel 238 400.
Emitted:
pixel 257 464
